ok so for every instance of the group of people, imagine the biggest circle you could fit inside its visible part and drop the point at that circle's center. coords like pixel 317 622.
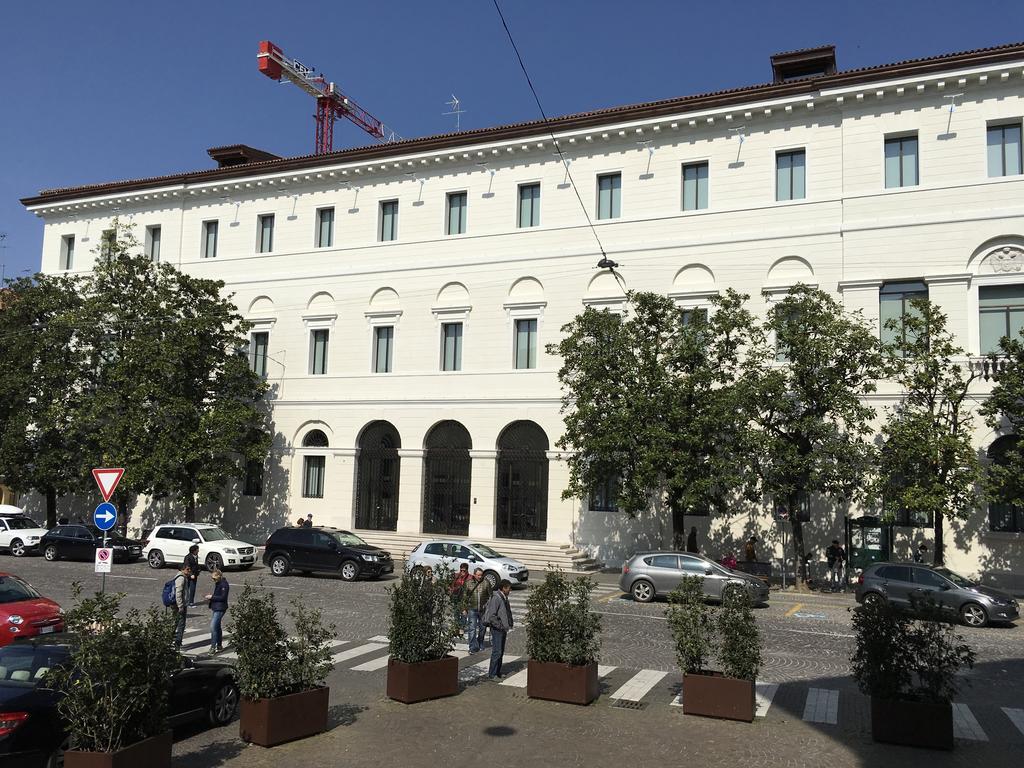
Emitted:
pixel 306 522
pixel 481 608
pixel 185 583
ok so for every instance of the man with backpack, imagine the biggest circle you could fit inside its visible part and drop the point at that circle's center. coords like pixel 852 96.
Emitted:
pixel 175 595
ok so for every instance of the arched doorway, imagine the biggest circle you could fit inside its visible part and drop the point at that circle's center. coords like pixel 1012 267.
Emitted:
pixel 522 482
pixel 447 470
pixel 377 474
pixel 1002 516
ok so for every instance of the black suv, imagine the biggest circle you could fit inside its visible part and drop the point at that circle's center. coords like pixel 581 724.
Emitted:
pixel 324 549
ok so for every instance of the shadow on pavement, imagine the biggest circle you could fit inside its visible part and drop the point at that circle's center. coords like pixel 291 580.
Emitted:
pixel 343 714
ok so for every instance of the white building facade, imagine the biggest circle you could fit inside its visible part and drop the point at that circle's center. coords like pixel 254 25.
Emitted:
pixel 402 295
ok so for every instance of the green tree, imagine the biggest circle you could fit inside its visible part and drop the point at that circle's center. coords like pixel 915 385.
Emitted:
pixel 658 402
pixel 813 426
pixel 927 466
pixel 40 392
pixel 1004 479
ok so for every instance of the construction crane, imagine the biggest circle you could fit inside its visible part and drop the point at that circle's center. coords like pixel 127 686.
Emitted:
pixel 330 102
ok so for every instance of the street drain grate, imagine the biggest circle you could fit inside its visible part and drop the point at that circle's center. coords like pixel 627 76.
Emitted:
pixel 623 704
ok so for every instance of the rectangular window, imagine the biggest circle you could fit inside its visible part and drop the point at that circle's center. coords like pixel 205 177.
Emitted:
pixel 210 239
pixel 383 345
pixel 695 187
pixel 451 347
pixel 258 353
pixel 325 228
pixel 894 301
pixel 107 241
pixel 265 242
pixel 388 221
pixel 529 205
pixel 609 196
pixel 695 316
pixel 602 497
pixel 153 243
pixel 457 213
pixel 253 479
pixel 67 252
pixel 901 162
pixel 318 353
pixel 526 343
pixel 1001 309
pixel 1004 150
pixel 313 468
pixel 790 175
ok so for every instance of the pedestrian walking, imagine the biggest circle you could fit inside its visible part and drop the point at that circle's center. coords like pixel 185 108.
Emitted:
pixel 835 555
pixel 750 550
pixel 921 553
pixel 181 603
pixel 456 591
pixel 475 594
pixel 498 616
pixel 691 541
pixel 309 521
pixel 192 561
pixel 218 602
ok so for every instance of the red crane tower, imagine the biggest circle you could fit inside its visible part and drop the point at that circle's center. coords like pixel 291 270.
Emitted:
pixel 330 102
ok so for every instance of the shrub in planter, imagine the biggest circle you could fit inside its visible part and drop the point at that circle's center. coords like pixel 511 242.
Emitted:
pixel 909 668
pixel 423 628
pixel 115 687
pixel 562 640
pixel 280 678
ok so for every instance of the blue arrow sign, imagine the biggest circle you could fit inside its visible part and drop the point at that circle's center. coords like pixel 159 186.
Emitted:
pixel 105 516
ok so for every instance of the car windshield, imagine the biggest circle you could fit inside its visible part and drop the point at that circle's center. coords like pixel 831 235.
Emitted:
pixel 956 578
pixel 213 534
pixel 485 550
pixel 349 539
pixel 26 665
pixel 21 523
pixel 13 589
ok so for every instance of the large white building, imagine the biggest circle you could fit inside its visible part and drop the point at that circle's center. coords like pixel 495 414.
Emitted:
pixel 402 295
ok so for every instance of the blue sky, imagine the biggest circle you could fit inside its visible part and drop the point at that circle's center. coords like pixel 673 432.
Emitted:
pixel 112 89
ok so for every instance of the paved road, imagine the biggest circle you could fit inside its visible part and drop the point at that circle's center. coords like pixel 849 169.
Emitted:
pixel 806 699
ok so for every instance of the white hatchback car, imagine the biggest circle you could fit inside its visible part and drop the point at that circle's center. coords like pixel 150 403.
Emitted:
pixel 19 534
pixel 454 552
pixel 170 543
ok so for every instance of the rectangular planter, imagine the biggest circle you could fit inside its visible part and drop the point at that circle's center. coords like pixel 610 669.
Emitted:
pixel 912 723
pixel 712 694
pixel 154 752
pixel 269 722
pixel 424 680
pixel 569 683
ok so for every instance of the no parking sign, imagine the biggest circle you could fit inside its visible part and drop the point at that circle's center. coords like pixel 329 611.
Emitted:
pixel 104 557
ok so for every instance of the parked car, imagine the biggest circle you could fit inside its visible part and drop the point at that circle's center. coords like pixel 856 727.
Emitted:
pixel 169 543
pixel 24 612
pixel 19 533
pixel 31 732
pixel 454 552
pixel 80 542
pixel 648 575
pixel 911 585
pixel 326 550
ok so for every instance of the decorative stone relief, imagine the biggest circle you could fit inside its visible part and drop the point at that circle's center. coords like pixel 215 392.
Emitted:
pixel 1007 259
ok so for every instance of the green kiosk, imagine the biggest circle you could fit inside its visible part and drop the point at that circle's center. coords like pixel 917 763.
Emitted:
pixel 868 540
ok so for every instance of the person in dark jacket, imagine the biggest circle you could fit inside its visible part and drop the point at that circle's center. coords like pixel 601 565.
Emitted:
pixel 218 602
pixel 192 561
pixel 691 541
pixel 475 594
pixel 498 616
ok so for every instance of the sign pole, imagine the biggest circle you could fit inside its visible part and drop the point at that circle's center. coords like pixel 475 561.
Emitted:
pixel 105 517
pixel 103 578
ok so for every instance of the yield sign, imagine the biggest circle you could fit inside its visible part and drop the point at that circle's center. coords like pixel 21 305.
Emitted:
pixel 107 480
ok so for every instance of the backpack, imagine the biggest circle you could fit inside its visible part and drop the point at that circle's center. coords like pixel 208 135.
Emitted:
pixel 168 593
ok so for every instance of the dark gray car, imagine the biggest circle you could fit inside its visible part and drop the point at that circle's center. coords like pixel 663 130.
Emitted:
pixel 910 586
pixel 647 575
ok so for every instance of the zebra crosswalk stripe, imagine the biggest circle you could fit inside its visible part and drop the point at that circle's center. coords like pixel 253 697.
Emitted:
pixel 373 664
pixel 764 694
pixel 639 685
pixel 519 679
pixel 361 650
pixel 478 670
pixel 965 724
pixel 822 706
pixel 1016 717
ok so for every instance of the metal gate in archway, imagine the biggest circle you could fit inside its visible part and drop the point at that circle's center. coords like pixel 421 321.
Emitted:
pixel 377 476
pixel 447 473
pixel 522 483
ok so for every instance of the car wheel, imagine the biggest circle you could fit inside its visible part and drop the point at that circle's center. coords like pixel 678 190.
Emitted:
pixel 224 704
pixel 156 558
pixel 17 548
pixel 50 553
pixel 493 579
pixel 349 570
pixel 642 591
pixel 873 600
pixel 279 565
pixel 973 615
pixel 214 562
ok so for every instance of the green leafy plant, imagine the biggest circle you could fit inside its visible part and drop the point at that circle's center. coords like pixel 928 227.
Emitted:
pixel 270 663
pixel 739 639
pixel 689 621
pixel 423 625
pixel 899 657
pixel 560 627
pixel 116 684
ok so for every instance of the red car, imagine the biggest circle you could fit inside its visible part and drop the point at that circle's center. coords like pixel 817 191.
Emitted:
pixel 24 612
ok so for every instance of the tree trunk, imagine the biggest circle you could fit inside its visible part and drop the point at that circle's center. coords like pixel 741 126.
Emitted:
pixel 51 507
pixel 940 555
pixel 798 541
pixel 190 508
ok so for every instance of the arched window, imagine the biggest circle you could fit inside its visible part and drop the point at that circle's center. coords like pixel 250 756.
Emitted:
pixel 377 477
pixel 1003 516
pixel 315 438
pixel 314 468
pixel 522 482
pixel 447 470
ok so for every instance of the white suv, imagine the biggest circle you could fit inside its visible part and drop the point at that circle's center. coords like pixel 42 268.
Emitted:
pixel 170 543
pixel 453 553
pixel 19 534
